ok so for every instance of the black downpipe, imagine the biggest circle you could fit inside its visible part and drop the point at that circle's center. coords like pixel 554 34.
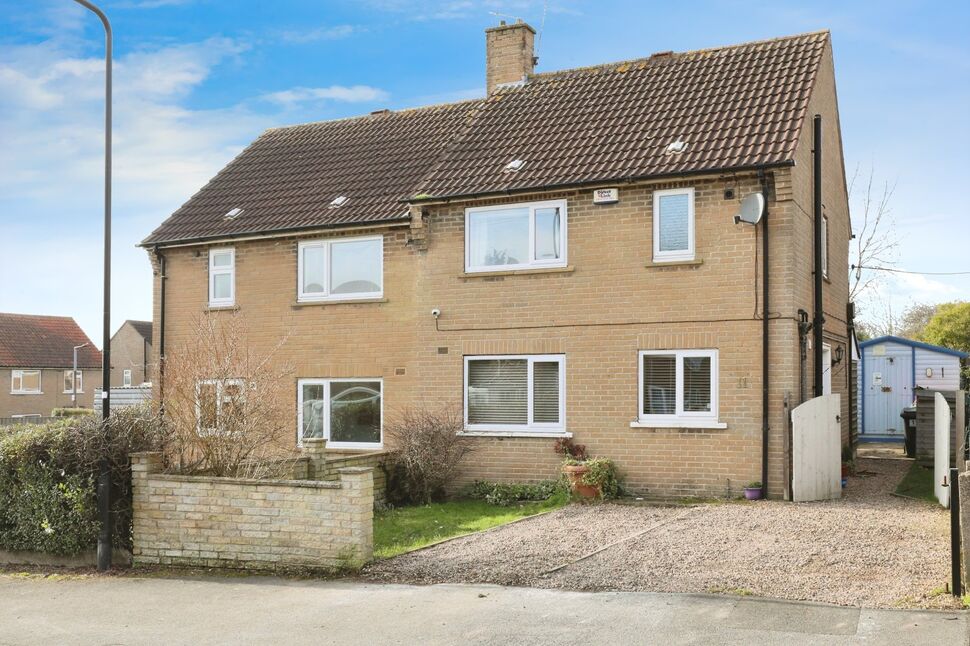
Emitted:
pixel 764 340
pixel 818 320
pixel 850 346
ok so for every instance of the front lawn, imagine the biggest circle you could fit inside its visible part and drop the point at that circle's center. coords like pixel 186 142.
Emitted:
pixel 402 530
pixel 918 483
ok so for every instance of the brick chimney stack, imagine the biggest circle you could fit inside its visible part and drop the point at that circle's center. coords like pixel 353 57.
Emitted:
pixel 509 54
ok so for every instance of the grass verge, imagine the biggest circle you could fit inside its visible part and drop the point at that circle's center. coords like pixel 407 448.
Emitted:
pixel 406 529
pixel 918 483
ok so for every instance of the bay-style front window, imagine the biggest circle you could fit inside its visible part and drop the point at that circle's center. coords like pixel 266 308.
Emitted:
pixel 516 236
pixel 348 413
pixel 678 388
pixel 673 225
pixel 515 393
pixel 341 269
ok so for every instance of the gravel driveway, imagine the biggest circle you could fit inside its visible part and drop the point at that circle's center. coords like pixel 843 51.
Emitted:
pixel 868 549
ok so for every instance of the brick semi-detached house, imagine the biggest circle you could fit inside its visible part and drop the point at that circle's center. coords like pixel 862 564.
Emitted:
pixel 559 258
pixel 36 359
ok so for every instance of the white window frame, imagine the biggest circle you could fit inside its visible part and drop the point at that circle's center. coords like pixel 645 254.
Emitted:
pixel 19 374
pixel 531 263
pixel 218 271
pixel 220 384
pixel 825 247
pixel 326 382
pixel 327 246
pixel 679 255
pixel 680 418
pixel 126 377
pixel 80 382
pixel 530 427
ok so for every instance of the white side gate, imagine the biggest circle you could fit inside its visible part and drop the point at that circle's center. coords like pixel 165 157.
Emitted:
pixel 817 449
pixel 941 448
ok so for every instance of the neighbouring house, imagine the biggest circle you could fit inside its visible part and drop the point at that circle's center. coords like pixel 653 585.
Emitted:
pixel 891 370
pixel 558 259
pixel 36 366
pixel 131 352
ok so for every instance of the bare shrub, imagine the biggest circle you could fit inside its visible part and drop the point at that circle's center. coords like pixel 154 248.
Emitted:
pixel 428 451
pixel 226 399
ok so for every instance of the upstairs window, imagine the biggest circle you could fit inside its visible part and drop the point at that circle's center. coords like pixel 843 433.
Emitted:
pixel 673 225
pixel 515 393
pixel 222 277
pixel 341 269
pixel 678 386
pixel 69 383
pixel 520 236
pixel 24 382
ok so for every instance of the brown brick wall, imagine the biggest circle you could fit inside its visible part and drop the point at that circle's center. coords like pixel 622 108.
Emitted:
pixel 609 303
pixel 253 524
pixel 52 395
pixel 128 351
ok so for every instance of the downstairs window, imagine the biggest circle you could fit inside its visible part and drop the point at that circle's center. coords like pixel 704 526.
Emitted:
pixel 516 393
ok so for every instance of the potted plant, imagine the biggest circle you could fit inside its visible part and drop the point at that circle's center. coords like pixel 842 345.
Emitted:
pixel 753 491
pixel 589 478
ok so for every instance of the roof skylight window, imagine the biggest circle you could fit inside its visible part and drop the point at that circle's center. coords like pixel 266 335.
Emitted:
pixel 233 214
pixel 514 165
pixel 677 146
pixel 338 201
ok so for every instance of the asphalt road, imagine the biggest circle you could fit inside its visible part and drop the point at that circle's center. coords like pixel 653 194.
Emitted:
pixel 264 610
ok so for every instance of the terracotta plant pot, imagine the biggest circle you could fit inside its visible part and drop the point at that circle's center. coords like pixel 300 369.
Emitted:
pixel 752 493
pixel 575 473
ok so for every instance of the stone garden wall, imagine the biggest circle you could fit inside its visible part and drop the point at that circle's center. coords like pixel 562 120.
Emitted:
pixel 254 524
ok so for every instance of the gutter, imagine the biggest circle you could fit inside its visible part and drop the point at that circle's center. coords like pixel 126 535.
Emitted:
pixel 760 168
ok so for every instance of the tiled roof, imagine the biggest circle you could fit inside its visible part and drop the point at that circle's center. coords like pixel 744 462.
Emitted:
pixel 288 177
pixel 143 328
pixel 734 107
pixel 29 341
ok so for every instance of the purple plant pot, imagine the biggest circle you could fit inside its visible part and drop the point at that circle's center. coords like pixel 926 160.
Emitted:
pixel 752 493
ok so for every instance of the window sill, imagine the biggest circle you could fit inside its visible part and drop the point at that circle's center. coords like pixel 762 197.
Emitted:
pixel 518 272
pixel 220 308
pixel 696 262
pixel 707 424
pixel 339 301
pixel 557 434
pixel 79 392
pixel 26 392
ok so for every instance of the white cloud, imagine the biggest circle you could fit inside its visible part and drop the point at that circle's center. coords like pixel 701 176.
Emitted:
pixel 318 34
pixel 51 163
pixel 353 94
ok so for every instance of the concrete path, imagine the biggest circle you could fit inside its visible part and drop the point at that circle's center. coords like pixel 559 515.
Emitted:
pixel 262 610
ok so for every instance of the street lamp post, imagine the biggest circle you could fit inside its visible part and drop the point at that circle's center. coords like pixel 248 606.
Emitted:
pixel 104 476
pixel 74 376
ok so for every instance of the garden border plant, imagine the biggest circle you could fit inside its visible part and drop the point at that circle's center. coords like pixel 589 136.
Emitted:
pixel 589 478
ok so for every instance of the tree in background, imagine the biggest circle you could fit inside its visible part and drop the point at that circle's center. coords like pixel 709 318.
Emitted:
pixel 950 328
pixel 874 226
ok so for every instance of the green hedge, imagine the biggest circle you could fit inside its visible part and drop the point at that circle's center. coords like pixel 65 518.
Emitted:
pixel 48 475
pixel 71 412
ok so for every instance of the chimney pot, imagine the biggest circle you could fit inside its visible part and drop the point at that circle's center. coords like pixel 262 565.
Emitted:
pixel 509 54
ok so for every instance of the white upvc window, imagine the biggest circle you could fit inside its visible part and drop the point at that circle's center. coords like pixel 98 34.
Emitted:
pixel 25 382
pixel 673 225
pixel 515 236
pixel 515 394
pixel 222 277
pixel 825 246
pixel 340 269
pixel 69 383
pixel 678 388
pixel 348 413
pixel 126 377
pixel 217 403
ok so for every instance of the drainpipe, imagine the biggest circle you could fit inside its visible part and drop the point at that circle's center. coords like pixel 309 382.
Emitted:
pixel 818 320
pixel 850 317
pixel 764 339
pixel 161 325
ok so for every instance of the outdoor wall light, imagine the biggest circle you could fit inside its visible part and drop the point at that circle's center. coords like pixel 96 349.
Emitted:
pixel 839 353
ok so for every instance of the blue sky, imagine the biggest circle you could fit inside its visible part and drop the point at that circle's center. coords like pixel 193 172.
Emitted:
pixel 196 80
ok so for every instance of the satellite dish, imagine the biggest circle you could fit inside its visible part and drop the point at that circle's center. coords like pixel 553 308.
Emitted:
pixel 752 208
